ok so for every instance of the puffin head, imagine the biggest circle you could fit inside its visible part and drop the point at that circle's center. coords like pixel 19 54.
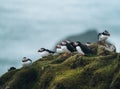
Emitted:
pixel 24 59
pixel 41 50
pixel 63 43
pixel 58 46
pixel 106 33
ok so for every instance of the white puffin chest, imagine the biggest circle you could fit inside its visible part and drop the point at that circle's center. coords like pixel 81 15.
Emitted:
pixel 59 50
pixel 79 50
pixel 44 53
pixel 64 49
pixel 27 63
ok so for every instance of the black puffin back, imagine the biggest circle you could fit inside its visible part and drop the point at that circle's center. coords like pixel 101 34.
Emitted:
pixel 85 49
pixel 50 51
pixel 70 47
pixel 74 47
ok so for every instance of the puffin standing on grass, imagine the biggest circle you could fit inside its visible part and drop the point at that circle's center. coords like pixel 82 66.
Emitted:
pixel 82 49
pixel 67 46
pixel 64 47
pixel 71 45
pixel 59 49
pixel 45 52
pixel 26 62
pixel 103 36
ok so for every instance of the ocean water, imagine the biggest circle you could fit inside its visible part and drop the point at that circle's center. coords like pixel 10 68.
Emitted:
pixel 27 25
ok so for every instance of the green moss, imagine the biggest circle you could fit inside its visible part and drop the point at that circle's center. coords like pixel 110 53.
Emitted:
pixel 67 71
pixel 65 79
pixel 25 78
pixel 7 77
pixel 116 82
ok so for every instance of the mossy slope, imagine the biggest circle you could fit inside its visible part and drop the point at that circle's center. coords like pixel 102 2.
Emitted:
pixel 67 71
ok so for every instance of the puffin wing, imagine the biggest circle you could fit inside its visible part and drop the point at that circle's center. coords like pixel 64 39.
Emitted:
pixel 85 49
pixel 71 48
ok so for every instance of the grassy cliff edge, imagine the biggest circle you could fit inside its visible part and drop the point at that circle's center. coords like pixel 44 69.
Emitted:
pixel 66 71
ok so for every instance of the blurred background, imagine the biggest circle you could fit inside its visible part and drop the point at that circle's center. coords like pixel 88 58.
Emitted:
pixel 27 25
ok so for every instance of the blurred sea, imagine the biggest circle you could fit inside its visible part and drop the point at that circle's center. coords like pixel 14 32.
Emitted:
pixel 27 25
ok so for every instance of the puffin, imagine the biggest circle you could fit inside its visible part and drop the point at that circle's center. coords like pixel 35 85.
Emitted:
pixel 26 62
pixel 64 47
pixel 45 52
pixel 82 48
pixel 68 46
pixel 71 46
pixel 103 36
pixel 59 49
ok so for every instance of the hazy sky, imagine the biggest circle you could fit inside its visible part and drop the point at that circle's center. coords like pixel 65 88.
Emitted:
pixel 27 25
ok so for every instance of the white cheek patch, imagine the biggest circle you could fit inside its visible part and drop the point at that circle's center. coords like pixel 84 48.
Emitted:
pixel 79 50
pixel 45 53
